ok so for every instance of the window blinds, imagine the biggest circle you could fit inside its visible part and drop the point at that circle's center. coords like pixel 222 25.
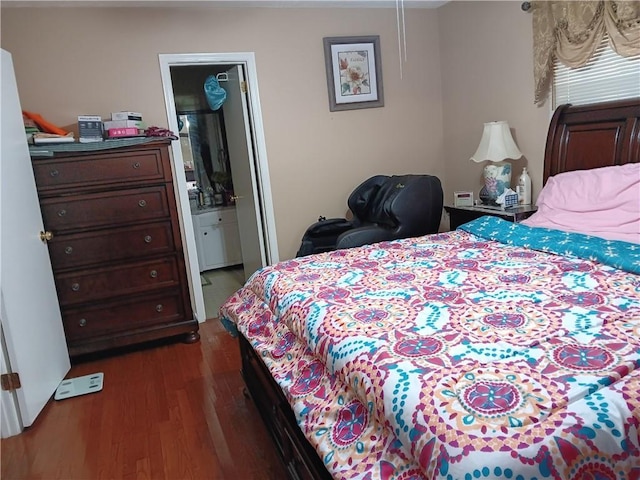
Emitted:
pixel 607 76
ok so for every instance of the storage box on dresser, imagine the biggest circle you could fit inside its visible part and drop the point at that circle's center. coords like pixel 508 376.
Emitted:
pixel 116 250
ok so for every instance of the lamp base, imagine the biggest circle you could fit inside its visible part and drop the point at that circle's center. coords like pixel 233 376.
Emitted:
pixel 497 179
pixel 486 198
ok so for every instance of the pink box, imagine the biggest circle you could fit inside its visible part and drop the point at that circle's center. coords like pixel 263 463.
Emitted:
pixel 122 132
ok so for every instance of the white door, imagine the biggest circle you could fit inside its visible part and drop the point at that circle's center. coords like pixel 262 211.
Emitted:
pixel 243 171
pixel 31 321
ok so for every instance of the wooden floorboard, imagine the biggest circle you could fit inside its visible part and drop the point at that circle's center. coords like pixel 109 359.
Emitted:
pixel 173 411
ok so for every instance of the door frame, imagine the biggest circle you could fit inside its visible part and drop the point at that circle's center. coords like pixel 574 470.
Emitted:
pixel 10 416
pixel 260 175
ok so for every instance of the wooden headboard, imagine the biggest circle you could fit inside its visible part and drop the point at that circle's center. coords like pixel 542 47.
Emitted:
pixel 592 136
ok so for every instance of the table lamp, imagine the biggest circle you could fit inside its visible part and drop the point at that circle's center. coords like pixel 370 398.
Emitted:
pixel 496 145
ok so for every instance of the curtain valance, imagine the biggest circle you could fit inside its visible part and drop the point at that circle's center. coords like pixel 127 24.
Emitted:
pixel 572 30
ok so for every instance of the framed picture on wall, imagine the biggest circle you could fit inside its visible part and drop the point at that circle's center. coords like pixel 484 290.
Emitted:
pixel 354 72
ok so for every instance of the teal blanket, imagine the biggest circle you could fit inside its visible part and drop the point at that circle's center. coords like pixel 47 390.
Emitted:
pixel 618 254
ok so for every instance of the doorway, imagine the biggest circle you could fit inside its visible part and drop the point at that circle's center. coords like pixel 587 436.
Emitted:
pixel 247 161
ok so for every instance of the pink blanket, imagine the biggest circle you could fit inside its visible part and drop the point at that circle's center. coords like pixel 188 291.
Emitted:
pixel 604 202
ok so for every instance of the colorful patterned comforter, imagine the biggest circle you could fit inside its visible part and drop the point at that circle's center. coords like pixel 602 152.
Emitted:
pixel 460 355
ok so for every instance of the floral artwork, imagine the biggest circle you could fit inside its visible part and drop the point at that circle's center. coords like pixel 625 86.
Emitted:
pixel 354 73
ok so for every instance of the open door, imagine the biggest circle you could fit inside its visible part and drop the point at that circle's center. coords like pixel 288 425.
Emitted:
pixel 254 136
pixel 243 171
pixel 31 321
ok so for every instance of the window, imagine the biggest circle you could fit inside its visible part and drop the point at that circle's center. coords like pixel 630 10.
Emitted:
pixel 607 76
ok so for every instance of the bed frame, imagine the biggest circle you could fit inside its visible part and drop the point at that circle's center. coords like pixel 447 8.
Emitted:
pixel 592 136
pixel 579 138
pixel 297 454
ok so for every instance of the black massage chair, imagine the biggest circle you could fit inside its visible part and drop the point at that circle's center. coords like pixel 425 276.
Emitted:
pixel 384 208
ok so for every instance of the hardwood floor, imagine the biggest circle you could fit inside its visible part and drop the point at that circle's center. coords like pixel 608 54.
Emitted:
pixel 174 411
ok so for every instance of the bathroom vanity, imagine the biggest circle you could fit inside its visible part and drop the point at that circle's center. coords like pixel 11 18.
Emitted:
pixel 217 237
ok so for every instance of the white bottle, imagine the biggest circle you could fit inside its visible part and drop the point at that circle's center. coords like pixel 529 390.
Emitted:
pixel 524 188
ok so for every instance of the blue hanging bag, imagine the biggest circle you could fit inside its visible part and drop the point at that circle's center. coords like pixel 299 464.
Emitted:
pixel 216 95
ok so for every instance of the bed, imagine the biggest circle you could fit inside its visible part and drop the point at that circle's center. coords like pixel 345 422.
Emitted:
pixel 499 350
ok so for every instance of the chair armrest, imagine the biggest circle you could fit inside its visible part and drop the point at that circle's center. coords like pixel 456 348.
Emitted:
pixel 322 236
pixel 364 236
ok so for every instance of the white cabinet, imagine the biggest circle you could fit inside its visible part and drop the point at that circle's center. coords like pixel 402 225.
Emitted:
pixel 217 238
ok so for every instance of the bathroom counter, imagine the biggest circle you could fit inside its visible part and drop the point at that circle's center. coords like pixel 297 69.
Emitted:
pixel 209 209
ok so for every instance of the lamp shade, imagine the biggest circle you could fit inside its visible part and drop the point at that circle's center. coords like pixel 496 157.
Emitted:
pixel 496 144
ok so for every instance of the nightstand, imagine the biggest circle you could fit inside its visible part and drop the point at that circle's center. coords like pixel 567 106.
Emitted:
pixel 460 215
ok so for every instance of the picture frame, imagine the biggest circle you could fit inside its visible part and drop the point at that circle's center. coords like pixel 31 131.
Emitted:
pixel 354 72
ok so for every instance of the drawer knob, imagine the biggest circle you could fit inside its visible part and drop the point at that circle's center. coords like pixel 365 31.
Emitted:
pixel 75 287
pixel 46 236
pixel 62 213
pixel 153 274
pixel 54 173
pixel 136 165
pixel 68 250
pixel 142 203
pixel 147 239
pixel 159 307
pixel 82 322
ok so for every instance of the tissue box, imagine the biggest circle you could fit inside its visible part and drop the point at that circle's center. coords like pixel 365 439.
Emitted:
pixel 126 116
pixel 510 200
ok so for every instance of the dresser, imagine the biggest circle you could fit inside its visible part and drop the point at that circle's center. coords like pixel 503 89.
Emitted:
pixel 116 249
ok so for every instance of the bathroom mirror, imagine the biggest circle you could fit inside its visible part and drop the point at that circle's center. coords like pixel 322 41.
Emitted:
pixel 204 152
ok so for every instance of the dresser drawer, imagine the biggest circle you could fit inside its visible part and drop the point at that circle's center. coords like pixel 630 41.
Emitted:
pixel 97 284
pixel 99 169
pixel 126 315
pixel 102 209
pixel 95 248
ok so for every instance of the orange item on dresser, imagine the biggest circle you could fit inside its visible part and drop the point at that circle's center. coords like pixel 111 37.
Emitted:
pixel 44 125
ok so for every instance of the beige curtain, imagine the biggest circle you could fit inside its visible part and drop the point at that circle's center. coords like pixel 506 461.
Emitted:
pixel 572 30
